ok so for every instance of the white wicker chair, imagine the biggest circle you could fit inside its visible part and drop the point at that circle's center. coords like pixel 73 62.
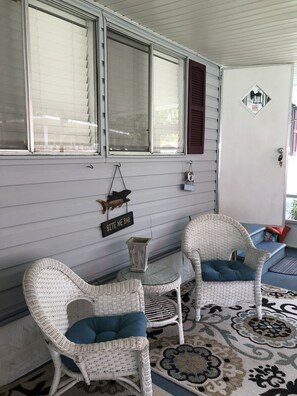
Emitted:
pixel 217 237
pixel 49 286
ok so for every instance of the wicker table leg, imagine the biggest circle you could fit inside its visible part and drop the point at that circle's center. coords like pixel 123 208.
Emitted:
pixel 162 311
pixel 180 317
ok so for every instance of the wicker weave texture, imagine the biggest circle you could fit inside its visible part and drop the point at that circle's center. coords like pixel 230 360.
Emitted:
pixel 226 293
pixel 215 236
pixel 49 287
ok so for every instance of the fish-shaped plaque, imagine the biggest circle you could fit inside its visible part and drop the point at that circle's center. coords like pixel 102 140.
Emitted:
pixel 114 200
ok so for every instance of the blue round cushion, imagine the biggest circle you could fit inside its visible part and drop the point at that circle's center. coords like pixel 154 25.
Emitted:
pixel 104 328
pixel 226 271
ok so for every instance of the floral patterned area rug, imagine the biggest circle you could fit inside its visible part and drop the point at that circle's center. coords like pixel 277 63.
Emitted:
pixel 231 352
pixel 38 383
pixel 228 353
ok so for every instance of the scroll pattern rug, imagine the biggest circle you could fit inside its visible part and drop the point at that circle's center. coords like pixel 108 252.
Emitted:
pixel 288 265
pixel 231 352
pixel 39 382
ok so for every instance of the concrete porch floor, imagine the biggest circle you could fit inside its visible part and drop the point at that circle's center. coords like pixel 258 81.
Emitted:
pixel 281 280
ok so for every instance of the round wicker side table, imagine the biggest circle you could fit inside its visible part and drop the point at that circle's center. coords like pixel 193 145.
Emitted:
pixel 157 280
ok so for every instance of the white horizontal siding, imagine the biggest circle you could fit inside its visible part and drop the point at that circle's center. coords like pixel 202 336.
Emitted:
pixel 48 207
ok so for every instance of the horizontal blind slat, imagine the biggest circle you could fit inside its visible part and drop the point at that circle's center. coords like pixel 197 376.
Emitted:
pixel 60 83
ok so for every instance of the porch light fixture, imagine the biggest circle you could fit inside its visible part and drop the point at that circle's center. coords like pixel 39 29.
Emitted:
pixel 256 97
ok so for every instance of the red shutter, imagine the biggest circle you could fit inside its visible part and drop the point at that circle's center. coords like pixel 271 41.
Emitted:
pixel 196 114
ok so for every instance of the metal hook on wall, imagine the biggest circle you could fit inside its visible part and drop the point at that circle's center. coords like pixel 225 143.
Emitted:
pixel 117 167
pixel 190 167
pixel 90 166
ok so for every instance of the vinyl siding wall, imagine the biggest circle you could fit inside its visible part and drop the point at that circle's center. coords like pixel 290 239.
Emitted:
pixel 48 208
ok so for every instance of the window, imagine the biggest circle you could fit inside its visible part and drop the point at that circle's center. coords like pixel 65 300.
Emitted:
pixel 62 81
pixel 13 130
pixel 128 94
pixel 144 117
pixel 50 85
pixel 291 199
pixel 168 104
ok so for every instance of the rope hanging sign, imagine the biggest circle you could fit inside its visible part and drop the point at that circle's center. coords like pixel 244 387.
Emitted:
pixel 116 199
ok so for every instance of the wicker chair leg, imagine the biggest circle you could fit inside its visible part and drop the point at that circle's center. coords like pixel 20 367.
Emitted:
pixel 58 372
pixel 258 298
pixel 56 381
pixel 259 311
pixel 145 377
pixel 198 298
pixel 198 314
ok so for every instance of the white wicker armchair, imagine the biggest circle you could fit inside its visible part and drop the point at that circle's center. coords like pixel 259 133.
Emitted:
pixel 49 286
pixel 217 237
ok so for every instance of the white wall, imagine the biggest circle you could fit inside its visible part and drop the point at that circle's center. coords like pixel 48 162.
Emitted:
pixel 252 184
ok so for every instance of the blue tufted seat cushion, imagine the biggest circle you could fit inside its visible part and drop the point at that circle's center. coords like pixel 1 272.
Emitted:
pixel 100 329
pixel 226 271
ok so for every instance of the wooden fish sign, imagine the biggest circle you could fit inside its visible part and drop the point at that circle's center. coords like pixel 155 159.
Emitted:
pixel 114 200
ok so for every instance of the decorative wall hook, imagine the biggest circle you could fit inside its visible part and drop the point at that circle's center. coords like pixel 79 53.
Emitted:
pixel 90 166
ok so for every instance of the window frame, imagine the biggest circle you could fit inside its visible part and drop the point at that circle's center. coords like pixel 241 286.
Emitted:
pixel 97 44
pixel 152 46
pixel 288 220
pixel 72 12
pixel 103 19
pixel 15 151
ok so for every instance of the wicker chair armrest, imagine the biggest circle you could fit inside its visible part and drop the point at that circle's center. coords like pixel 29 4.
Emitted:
pixel 255 258
pixel 194 256
pixel 195 259
pixel 71 349
pixel 129 286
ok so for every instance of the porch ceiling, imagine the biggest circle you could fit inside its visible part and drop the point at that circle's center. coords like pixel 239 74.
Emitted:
pixel 228 32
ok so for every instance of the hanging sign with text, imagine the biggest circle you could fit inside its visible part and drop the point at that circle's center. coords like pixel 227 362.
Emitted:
pixel 117 224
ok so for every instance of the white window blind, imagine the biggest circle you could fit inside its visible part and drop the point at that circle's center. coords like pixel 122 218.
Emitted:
pixel 168 104
pixel 63 81
pixel 128 94
pixel 13 133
